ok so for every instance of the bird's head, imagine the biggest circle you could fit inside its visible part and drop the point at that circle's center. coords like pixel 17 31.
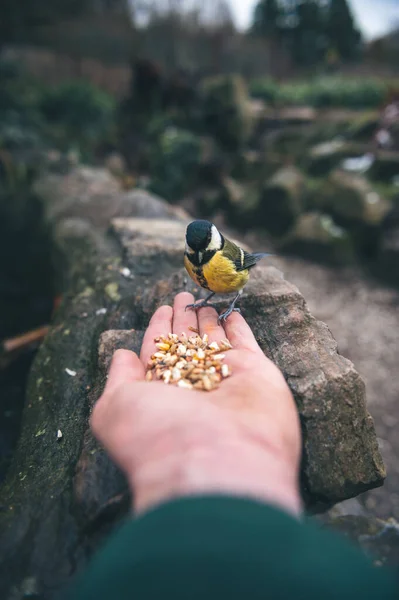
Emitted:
pixel 203 236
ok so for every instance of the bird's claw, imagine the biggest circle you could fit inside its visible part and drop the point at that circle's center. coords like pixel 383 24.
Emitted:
pixel 198 305
pixel 223 317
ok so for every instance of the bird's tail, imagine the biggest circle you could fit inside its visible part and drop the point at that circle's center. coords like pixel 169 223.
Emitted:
pixel 259 255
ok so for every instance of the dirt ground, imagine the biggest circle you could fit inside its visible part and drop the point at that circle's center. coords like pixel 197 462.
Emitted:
pixel 364 319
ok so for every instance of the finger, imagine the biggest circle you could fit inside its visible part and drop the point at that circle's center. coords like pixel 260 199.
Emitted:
pixel 125 368
pixel 160 324
pixel 239 333
pixel 208 324
pixel 182 318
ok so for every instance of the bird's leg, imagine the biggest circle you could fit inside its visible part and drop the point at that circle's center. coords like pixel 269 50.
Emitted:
pixel 202 303
pixel 232 308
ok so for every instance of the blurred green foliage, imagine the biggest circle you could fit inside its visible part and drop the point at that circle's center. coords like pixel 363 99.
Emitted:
pixel 174 163
pixel 19 17
pixel 34 116
pixel 224 110
pixel 20 121
pixel 322 92
pixel 77 112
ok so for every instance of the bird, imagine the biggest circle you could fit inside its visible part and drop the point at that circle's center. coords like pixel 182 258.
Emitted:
pixel 217 264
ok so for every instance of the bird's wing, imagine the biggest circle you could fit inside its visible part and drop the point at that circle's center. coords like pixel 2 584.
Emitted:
pixel 234 253
pixel 249 260
pixel 242 259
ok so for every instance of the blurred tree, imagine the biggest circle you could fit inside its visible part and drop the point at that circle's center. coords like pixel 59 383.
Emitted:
pixel 268 23
pixel 385 50
pixel 221 31
pixel 307 28
pixel 341 31
pixel 266 18
pixel 109 6
pixel 308 40
pixel 18 17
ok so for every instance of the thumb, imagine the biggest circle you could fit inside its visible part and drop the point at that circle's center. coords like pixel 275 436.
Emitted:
pixel 126 367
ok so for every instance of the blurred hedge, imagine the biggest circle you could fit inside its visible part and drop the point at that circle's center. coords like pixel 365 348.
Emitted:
pixel 73 115
pixel 78 112
pixel 331 91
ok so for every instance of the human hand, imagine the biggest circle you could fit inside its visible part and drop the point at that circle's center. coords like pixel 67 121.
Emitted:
pixel 242 438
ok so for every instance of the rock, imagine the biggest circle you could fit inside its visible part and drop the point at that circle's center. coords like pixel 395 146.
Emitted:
pixel 298 115
pixel 49 531
pixel 385 167
pixel 317 237
pixel 236 201
pixel 115 339
pixel 116 164
pixel 353 198
pixel 252 166
pixel 358 164
pixel 234 191
pixel 363 128
pixel 377 538
pixel 174 164
pixel 281 201
pixel 272 118
pixel 242 203
pixel 226 111
pixel 69 195
pixel 288 141
pixel 214 164
pixel 94 194
pixel 324 157
pixel 208 201
pixel 213 200
pixel 385 266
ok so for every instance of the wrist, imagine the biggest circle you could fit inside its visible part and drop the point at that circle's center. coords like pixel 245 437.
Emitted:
pixel 231 467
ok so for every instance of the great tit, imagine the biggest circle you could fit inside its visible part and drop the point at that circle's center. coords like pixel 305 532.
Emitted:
pixel 216 264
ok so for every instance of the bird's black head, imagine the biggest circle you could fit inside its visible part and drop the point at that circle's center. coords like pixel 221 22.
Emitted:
pixel 199 235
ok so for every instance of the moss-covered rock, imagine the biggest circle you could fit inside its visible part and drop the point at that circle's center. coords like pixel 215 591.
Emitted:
pixel 353 198
pixel 225 110
pixel 174 164
pixel 208 201
pixel 324 157
pixel 237 201
pixel 316 236
pixel 363 127
pixel 289 141
pixel 386 263
pixel 385 166
pixel 254 165
pixel 242 202
pixel 281 201
pixel 115 276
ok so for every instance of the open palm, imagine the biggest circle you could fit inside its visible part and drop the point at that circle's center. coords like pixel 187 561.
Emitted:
pixel 139 421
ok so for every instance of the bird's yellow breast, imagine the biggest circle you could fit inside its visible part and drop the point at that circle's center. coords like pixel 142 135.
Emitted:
pixel 219 275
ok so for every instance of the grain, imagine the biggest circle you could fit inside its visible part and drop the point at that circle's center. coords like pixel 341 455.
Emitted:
pixel 189 362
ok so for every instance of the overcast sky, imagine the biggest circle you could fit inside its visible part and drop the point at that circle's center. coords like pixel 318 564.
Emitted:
pixel 375 17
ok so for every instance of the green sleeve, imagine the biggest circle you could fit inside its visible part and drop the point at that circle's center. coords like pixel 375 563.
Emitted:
pixel 220 547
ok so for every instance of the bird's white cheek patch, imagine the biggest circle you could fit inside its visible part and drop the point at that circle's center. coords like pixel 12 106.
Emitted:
pixel 216 239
